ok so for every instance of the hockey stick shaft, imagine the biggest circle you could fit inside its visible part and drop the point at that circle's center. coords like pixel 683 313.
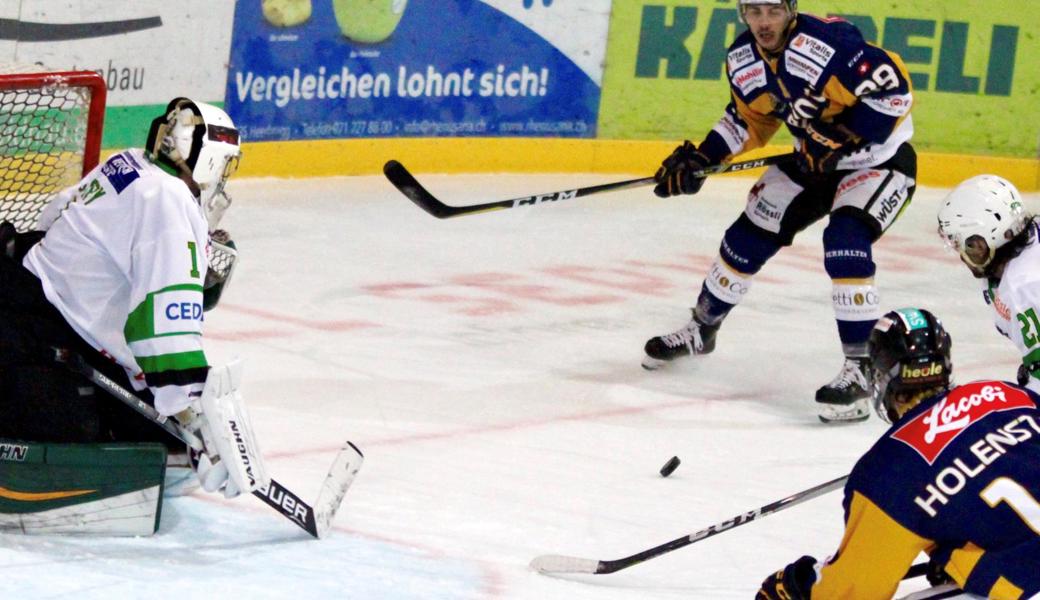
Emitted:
pixel 555 563
pixel 275 495
pixel 408 185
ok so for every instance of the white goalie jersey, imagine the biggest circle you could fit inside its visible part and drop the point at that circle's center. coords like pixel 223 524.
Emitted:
pixel 1016 302
pixel 124 261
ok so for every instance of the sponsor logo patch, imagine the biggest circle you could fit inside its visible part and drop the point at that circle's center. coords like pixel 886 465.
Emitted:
pixel 740 57
pixel 119 172
pixel 854 181
pixel 802 68
pixel 934 430
pixel 750 78
pixel 177 311
pixel 813 48
pixel 893 106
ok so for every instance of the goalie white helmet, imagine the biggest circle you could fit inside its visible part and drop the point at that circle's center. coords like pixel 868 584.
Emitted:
pixel 200 140
pixel 980 216
pixel 792 6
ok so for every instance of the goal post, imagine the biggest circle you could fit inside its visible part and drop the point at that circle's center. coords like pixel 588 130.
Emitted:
pixel 50 136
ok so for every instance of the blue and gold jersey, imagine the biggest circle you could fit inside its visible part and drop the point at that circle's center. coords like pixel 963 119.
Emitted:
pixel 826 71
pixel 958 477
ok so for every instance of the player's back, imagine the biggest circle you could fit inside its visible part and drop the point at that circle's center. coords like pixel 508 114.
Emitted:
pixel 963 469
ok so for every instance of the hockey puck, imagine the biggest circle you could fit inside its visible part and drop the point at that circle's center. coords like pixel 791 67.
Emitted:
pixel 670 466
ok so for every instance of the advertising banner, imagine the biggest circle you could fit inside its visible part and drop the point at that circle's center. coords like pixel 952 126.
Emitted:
pixel 976 87
pixel 148 51
pixel 308 69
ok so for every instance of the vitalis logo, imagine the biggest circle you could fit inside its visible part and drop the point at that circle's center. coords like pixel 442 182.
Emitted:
pixel 27 31
pixel 932 431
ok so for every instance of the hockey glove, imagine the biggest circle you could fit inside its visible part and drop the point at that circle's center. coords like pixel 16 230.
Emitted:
pixel 824 145
pixel 676 173
pixel 793 582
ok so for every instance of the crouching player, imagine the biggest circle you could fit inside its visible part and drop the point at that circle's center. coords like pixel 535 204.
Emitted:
pixel 117 277
pixel 956 476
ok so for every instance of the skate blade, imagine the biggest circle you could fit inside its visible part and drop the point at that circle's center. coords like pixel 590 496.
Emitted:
pixel 843 414
pixel 652 364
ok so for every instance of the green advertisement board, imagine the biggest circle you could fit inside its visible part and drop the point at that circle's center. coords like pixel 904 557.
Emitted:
pixel 973 64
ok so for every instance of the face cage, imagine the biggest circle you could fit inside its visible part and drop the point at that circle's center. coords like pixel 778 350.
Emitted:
pixel 879 390
pixel 965 251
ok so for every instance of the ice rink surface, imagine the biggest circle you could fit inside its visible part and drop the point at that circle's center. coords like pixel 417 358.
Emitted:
pixel 489 368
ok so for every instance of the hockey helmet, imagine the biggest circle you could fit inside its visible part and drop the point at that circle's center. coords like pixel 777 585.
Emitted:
pixel 909 357
pixel 792 6
pixel 201 140
pixel 979 216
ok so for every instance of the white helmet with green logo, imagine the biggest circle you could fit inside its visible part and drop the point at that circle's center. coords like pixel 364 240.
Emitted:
pixel 980 216
pixel 792 6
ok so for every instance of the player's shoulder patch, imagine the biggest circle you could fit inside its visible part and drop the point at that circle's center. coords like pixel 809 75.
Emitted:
pixel 121 170
pixel 812 48
pixel 741 56
pixel 934 429
pixel 750 78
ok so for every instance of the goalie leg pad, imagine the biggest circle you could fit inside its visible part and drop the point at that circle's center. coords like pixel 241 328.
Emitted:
pixel 99 489
pixel 228 434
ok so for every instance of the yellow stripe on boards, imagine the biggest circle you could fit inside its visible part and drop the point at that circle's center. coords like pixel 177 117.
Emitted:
pixel 325 158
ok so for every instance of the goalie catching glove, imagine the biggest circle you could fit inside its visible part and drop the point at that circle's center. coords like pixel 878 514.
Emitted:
pixel 676 175
pixel 226 457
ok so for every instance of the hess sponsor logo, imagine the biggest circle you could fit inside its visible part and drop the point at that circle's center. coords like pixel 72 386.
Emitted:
pixel 856 181
pixel 932 431
pixel 184 311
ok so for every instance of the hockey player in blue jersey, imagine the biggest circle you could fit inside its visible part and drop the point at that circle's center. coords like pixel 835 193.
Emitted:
pixel 957 476
pixel 847 104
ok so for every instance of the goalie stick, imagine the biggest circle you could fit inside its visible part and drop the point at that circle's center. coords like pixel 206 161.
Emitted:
pixel 406 183
pixel 315 520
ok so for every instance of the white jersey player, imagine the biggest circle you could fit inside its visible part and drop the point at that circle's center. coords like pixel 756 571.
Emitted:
pixel 122 272
pixel 125 255
pixel 983 219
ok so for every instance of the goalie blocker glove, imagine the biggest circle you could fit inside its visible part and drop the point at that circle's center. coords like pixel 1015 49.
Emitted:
pixel 229 459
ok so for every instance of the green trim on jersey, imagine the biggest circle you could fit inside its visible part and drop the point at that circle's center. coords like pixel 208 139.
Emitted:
pixel 1031 358
pixel 179 361
pixel 140 323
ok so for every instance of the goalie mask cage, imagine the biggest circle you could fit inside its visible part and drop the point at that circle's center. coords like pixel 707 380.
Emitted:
pixel 50 136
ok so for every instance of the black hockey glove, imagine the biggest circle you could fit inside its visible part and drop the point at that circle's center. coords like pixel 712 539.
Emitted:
pixel 793 582
pixel 824 145
pixel 676 173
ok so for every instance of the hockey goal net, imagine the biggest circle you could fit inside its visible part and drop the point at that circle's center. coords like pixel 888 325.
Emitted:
pixel 50 136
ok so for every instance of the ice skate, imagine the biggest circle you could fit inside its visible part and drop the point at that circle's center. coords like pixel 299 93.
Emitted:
pixel 846 398
pixel 692 339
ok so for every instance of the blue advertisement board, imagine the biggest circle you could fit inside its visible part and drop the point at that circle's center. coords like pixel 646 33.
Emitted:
pixel 310 69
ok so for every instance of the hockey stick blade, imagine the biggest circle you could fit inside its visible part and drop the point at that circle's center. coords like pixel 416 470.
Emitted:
pixel 277 496
pixel 406 183
pixel 317 520
pixel 551 564
pixel 337 482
